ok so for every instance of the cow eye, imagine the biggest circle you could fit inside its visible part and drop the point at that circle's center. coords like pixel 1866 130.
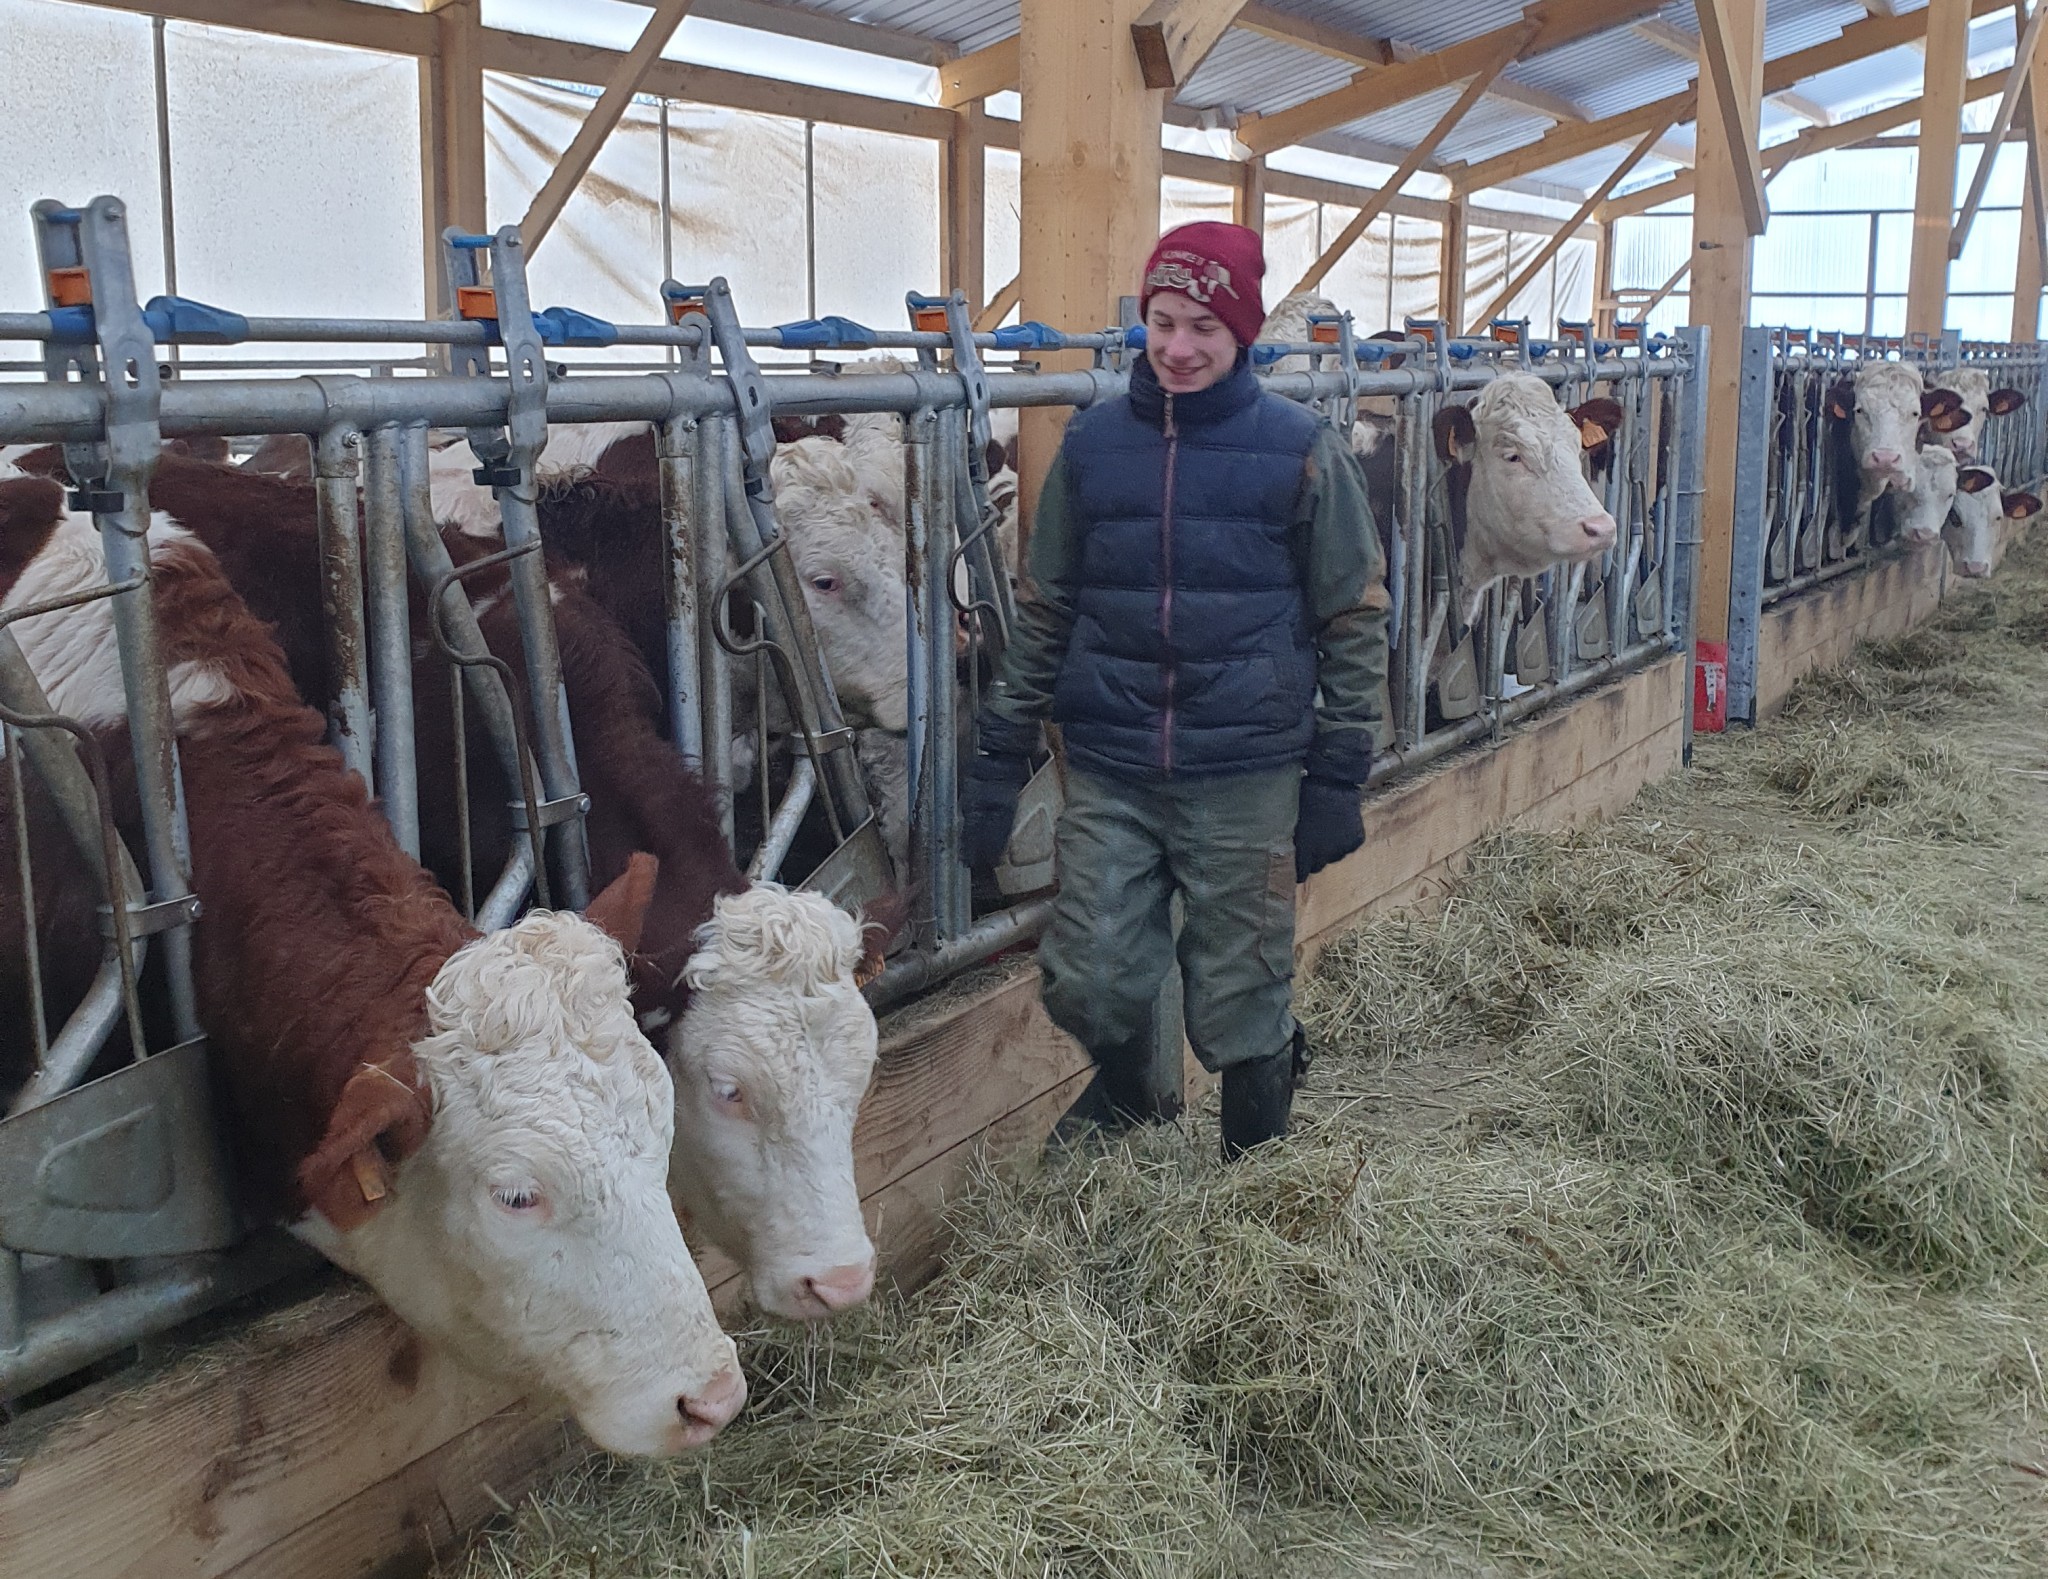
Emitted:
pixel 727 1092
pixel 825 583
pixel 518 1198
pixel 1513 458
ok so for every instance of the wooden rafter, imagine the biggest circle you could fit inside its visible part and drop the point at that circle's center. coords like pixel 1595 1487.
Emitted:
pixel 1359 48
pixel 632 69
pixel 977 75
pixel 1557 24
pixel 1568 229
pixel 1173 37
pixel 1814 140
pixel 1505 50
pixel 1729 76
pixel 1562 143
pixel 2001 122
pixel 1675 39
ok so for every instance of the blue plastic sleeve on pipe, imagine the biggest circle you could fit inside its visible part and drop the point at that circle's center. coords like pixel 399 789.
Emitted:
pixel 469 243
pixel 1266 355
pixel 567 326
pixel 1031 336
pixel 1463 350
pixel 66 216
pixel 1134 337
pixel 812 333
pixel 1377 350
pixel 180 320
pixel 71 325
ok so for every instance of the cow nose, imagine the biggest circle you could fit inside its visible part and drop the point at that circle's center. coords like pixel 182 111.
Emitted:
pixel 842 1287
pixel 711 1406
pixel 1976 569
pixel 1884 460
pixel 1599 528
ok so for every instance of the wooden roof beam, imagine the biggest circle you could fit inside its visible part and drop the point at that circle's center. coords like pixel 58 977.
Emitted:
pixel 1814 140
pixel 981 73
pixel 1679 42
pixel 1559 23
pixel 1857 41
pixel 1173 37
pixel 1737 96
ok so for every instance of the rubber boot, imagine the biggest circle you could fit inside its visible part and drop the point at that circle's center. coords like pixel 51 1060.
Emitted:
pixel 1258 1097
pixel 1121 1096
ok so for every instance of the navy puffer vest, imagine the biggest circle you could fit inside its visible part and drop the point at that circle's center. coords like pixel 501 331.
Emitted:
pixel 1191 651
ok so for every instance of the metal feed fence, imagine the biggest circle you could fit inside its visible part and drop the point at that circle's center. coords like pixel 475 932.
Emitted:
pixel 113 1098
pixel 1795 499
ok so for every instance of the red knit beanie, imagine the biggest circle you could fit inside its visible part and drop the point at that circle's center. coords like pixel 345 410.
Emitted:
pixel 1220 266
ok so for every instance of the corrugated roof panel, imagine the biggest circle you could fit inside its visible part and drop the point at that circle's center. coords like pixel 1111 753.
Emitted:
pixel 1249 72
pixel 1488 127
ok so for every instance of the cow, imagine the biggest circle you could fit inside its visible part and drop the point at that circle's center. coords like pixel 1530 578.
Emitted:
pixel 770 1182
pixel 1980 402
pixel 1883 408
pixel 1923 508
pixel 472 1124
pixel 1972 534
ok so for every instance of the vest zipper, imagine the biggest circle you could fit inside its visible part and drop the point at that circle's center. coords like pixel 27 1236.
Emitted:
pixel 1166 584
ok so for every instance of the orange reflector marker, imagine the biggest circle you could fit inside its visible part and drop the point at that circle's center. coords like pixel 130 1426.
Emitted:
pixel 1507 333
pixel 70 288
pixel 1322 334
pixel 1629 333
pixel 930 320
pixel 476 301
pixel 681 307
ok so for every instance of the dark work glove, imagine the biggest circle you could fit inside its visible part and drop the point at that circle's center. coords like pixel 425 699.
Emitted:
pixel 994 783
pixel 1331 821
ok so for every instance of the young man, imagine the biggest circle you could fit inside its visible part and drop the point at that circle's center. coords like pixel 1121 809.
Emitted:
pixel 1207 624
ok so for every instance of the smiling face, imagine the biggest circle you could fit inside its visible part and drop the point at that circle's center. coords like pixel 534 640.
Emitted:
pixel 1189 347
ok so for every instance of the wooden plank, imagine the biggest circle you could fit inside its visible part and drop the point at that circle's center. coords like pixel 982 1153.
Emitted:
pixel 619 88
pixel 1089 169
pixel 1347 238
pixel 1558 23
pixel 1819 628
pixel 1734 72
pixel 2034 205
pixel 351 23
pixel 1934 191
pixel 452 126
pixel 977 75
pixel 1568 229
pixel 2001 122
pixel 425 1512
pixel 964 190
pixel 1359 48
pixel 1814 140
pixel 525 55
pixel 1855 42
pixel 1174 37
pixel 1248 196
pixel 1721 249
pixel 1452 246
pixel 999 305
pixel 820 27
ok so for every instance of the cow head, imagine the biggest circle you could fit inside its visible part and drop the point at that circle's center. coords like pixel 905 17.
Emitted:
pixel 1971 534
pixel 1528 504
pixel 502 1185
pixel 850 560
pixel 1924 507
pixel 771 1059
pixel 1884 406
pixel 1964 428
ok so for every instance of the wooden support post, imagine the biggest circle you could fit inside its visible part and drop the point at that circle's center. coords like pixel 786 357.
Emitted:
pixel 1090 167
pixel 1603 312
pixel 451 134
pixel 2033 252
pixel 2026 284
pixel 964 188
pixel 1248 197
pixel 1569 228
pixel 1934 196
pixel 1418 156
pixel 1450 266
pixel 610 109
pixel 1725 64
pixel 1721 246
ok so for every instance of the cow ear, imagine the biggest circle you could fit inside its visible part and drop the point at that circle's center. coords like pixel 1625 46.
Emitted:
pixel 1933 402
pixel 881 920
pixel 1974 479
pixel 1455 435
pixel 381 1119
pixel 2018 506
pixel 621 910
pixel 1946 419
pixel 1598 421
pixel 2006 401
pixel 830 426
pixel 789 429
pixel 1842 400
pixel 1395 335
pixel 994 457
pixel 30 508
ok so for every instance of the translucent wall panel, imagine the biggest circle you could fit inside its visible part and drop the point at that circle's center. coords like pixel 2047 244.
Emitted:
pixel 48 148
pixel 1673 312
pixel 1184 202
pixel 1648 247
pixel 1990 256
pixel 1894 255
pixel 1825 313
pixel 877 217
pixel 1417 254
pixel 296 173
pixel 1002 202
pixel 1981 317
pixel 1809 253
pixel 1290 242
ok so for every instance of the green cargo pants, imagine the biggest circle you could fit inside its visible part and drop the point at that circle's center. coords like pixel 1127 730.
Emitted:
pixel 1124 848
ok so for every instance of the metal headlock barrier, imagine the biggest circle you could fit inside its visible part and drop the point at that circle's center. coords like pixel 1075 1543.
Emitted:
pixel 116 1219
pixel 1795 499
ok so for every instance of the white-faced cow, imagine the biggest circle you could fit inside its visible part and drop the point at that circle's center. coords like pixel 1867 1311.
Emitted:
pixel 1924 507
pixel 1980 402
pixel 1884 407
pixel 1981 506
pixel 473 1124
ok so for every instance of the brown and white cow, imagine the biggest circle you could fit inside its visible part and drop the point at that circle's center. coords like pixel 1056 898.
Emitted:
pixel 767 1178
pixel 1884 407
pixel 1980 402
pixel 472 1124
pixel 1980 505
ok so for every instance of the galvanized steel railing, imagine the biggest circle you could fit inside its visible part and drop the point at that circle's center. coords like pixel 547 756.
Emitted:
pixel 510 376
